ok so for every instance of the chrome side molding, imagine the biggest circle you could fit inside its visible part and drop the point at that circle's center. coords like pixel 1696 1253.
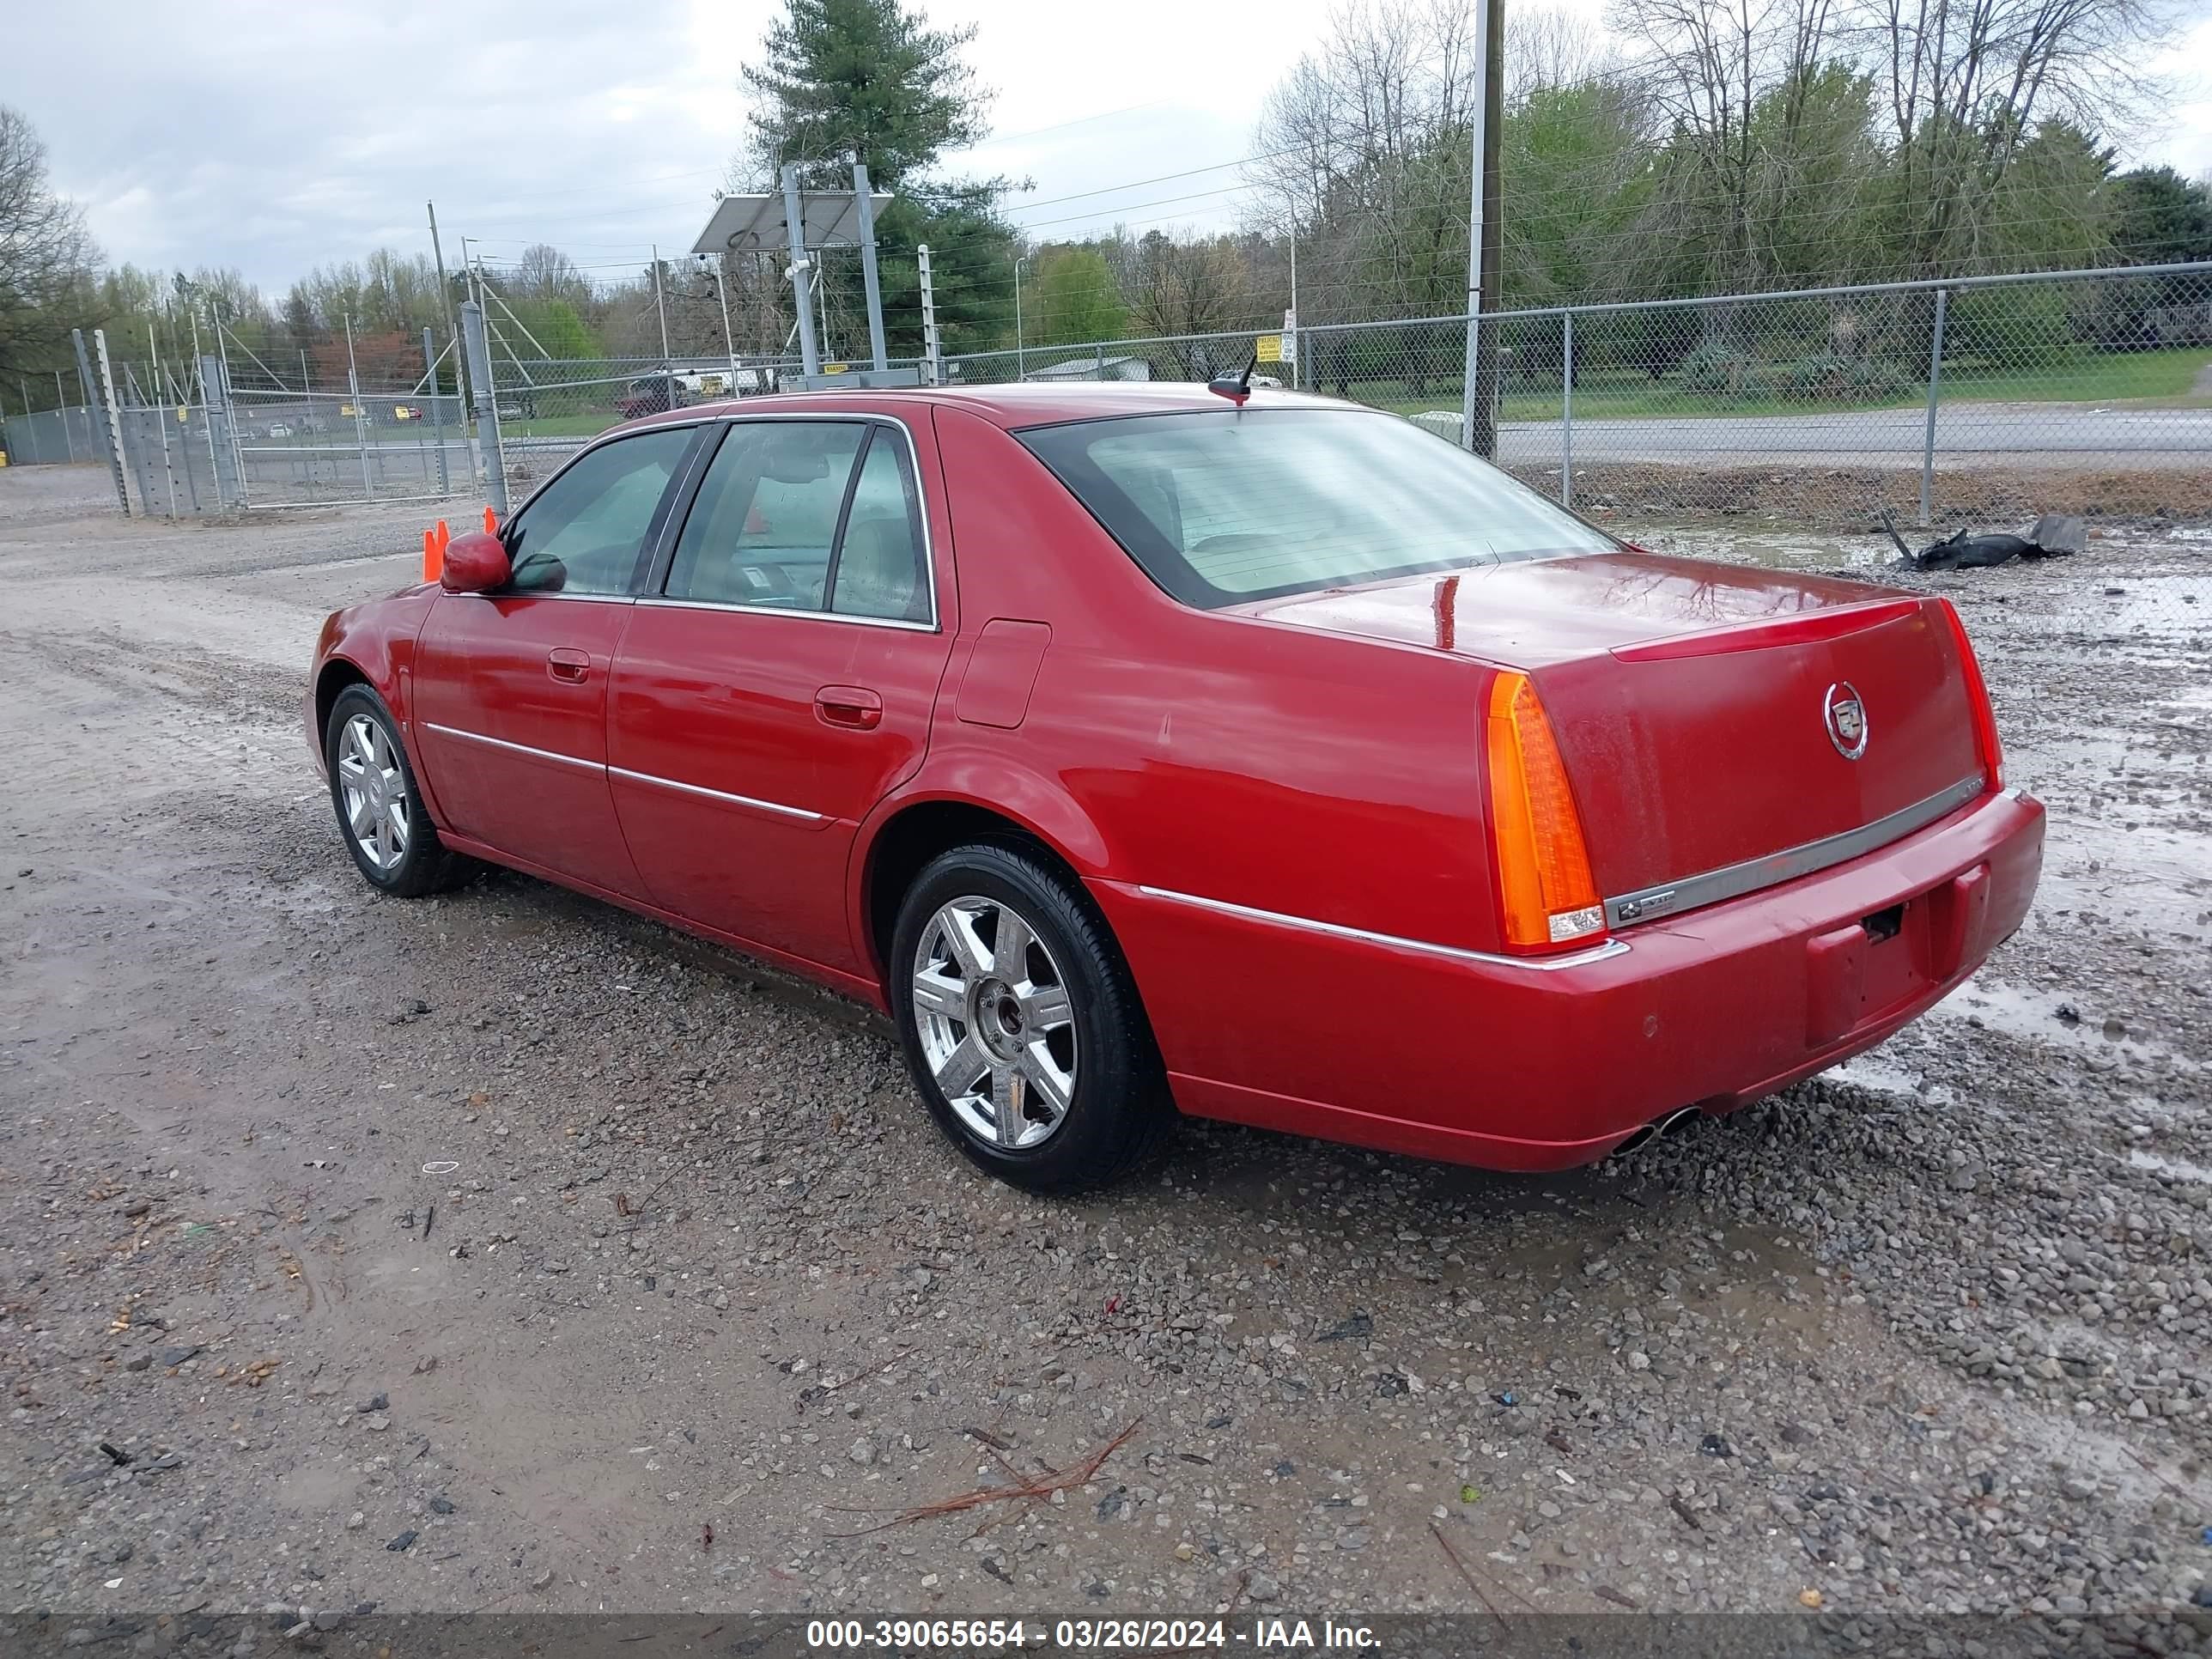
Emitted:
pixel 1611 947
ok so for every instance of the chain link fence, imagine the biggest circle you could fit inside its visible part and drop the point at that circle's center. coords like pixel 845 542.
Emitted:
pixel 1992 397
pixel 546 409
pixel 1987 399
pixel 50 437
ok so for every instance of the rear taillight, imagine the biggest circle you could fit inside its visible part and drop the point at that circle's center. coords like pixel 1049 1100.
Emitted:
pixel 1545 896
pixel 1978 696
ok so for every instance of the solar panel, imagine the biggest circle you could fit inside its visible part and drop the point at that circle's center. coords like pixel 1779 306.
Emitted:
pixel 754 224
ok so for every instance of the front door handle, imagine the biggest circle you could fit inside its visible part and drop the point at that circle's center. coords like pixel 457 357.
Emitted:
pixel 855 708
pixel 569 666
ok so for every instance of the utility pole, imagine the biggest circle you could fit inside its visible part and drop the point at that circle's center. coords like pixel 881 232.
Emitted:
pixel 864 209
pixel 794 227
pixel 445 295
pixel 729 339
pixel 1477 420
pixel 659 303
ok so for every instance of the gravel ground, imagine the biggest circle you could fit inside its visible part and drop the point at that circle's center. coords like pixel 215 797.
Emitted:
pixel 503 1252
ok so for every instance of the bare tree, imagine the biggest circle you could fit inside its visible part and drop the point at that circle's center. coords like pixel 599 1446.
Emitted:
pixel 46 256
pixel 1965 86
pixel 1548 49
pixel 1181 287
pixel 1366 143
pixel 544 272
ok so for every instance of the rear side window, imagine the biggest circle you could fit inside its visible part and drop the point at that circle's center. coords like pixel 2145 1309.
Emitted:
pixel 1220 509
pixel 765 522
pixel 819 516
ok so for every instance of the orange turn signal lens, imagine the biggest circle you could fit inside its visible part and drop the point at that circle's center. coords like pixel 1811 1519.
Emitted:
pixel 1546 893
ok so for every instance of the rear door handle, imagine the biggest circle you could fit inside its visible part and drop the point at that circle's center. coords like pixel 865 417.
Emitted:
pixel 569 666
pixel 853 707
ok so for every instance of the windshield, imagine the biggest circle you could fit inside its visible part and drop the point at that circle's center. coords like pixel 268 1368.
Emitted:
pixel 1223 507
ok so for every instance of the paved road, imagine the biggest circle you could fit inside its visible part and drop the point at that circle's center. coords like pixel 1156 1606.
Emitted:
pixel 2020 434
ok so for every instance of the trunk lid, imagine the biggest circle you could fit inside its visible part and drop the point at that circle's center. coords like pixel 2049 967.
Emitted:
pixel 1690 703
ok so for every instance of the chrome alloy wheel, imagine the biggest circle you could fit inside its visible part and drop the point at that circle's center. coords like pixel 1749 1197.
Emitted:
pixel 997 1022
pixel 373 787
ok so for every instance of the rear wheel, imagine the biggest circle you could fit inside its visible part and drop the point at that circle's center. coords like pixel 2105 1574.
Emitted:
pixel 387 829
pixel 1020 1024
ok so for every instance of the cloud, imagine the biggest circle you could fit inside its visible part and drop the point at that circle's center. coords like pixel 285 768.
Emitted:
pixel 276 137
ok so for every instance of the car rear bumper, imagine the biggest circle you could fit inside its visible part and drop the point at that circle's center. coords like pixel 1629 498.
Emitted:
pixel 1283 1024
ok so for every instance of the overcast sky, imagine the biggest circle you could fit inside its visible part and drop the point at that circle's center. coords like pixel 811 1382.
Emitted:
pixel 273 137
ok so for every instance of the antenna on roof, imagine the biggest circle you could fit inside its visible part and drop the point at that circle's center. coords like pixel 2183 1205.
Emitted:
pixel 1235 387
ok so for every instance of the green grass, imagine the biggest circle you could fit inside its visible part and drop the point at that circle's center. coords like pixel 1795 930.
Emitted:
pixel 2164 378
pixel 2155 379
pixel 558 426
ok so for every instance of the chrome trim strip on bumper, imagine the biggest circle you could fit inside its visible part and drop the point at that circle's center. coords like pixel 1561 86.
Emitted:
pixel 1734 880
pixel 1611 947
pixel 512 748
pixel 715 794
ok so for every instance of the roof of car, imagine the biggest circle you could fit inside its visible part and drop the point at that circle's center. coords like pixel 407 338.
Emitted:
pixel 1034 403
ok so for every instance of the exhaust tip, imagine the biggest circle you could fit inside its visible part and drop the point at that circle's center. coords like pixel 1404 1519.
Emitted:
pixel 1664 1125
pixel 1637 1138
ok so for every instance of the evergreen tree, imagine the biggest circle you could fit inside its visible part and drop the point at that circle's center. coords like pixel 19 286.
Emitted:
pixel 868 80
pixel 848 81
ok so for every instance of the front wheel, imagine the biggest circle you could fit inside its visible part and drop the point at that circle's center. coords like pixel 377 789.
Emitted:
pixel 1020 1024
pixel 387 829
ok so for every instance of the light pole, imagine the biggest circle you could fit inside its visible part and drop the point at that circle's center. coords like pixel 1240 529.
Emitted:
pixel 728 338
pixel 1021 360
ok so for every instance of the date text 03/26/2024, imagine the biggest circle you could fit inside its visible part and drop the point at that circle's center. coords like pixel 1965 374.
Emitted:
pixel 1088 1635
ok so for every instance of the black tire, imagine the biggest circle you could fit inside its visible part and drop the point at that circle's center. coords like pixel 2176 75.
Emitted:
pixel 422 865
pixel 1118 1108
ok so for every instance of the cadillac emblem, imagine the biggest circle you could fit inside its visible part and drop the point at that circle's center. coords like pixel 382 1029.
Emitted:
pixel 1845 717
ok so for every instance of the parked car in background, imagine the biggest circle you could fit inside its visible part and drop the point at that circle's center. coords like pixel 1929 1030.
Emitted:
pixel 1140 749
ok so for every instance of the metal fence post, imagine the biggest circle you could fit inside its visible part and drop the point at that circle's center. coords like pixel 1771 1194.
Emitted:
pixel 61 410
pixel 810 357
pixel 221 429
pixel 230 416
pixel 863 212
pixel 1934 384
pixel 112 416
pixel 1567 409
pixel 360 421
pixel 932 354
pixel 103 428
pixel 30 427
pixel 478 355
pixel 438 425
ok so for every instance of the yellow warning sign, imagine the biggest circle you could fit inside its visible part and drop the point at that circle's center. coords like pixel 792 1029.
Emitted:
pixel 1271 347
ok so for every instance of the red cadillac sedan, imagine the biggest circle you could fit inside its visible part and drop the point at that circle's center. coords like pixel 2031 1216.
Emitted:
pixel 1141 750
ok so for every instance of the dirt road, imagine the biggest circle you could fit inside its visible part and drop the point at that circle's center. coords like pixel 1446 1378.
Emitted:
pixel 503 1252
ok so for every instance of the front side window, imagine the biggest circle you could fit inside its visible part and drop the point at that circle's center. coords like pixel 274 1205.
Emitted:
pixel 582 533
pixel 1220 509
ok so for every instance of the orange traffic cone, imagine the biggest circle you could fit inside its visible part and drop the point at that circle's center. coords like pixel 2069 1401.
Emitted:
pixel 491 522
pixel 433 556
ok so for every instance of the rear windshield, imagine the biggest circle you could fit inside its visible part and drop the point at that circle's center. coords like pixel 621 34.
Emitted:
pixel 1223 507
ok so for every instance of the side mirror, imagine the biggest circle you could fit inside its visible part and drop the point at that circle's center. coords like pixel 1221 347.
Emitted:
pixel 475 563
